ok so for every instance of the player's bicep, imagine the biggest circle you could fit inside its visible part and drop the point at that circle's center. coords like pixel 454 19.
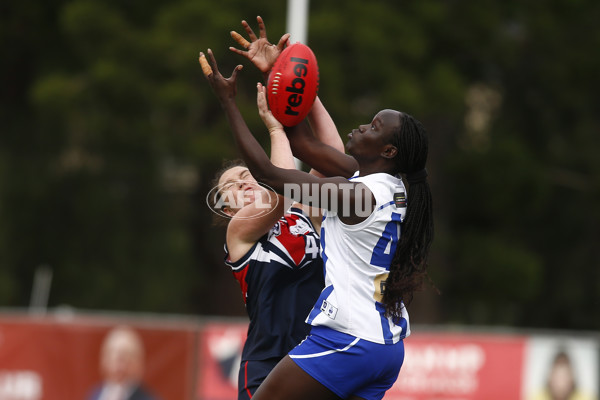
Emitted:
pixel 324 158
pixel 355 203
pixel 331 162
pixel 250 224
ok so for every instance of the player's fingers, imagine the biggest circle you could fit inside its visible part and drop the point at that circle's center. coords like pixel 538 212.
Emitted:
pixel 283 42
pixel 212 62
pixel 261 27
pixel 206 69
pixel 261 102
pixel 260 93
pixel 238 51
pixel 235 72
pixel 265 102
pixel 264 90
pixel 249 31
pixel 240 39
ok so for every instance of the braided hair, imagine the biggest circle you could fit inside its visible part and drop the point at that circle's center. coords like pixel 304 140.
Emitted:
pixel 409 264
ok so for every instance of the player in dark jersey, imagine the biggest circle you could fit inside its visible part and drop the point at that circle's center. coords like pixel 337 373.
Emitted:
pixel 280 277
pixel 272 250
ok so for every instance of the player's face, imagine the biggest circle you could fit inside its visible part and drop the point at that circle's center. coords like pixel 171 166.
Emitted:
pixel 369 140
pixel 238 189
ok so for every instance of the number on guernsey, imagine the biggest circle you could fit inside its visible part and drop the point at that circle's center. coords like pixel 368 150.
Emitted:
pixel 312 247
pixel 382 253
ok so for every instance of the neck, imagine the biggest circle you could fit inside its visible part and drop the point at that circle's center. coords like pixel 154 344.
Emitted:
pixel 374 168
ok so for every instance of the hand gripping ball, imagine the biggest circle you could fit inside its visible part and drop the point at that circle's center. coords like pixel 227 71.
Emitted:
pixel 293 84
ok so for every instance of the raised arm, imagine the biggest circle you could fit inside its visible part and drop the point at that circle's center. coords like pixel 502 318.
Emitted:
pixel 323 126
pixel 263 55
pixel 322 157
pixel 254 220
pixel 281 153
pixel 318 192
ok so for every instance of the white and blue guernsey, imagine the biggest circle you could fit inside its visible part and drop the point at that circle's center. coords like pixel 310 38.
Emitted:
pixel 357 261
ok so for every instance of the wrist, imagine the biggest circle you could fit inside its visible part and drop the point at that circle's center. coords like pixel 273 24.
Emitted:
pixel 227 100
pixel 276 130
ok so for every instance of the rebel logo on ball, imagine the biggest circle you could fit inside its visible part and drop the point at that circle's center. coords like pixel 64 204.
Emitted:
pixel 293 84
pixel 296 88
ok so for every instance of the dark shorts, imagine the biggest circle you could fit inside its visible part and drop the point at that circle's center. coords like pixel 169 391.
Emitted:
pixel 252 374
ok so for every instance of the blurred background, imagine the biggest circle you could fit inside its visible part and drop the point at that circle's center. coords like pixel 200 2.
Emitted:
pixel 110 137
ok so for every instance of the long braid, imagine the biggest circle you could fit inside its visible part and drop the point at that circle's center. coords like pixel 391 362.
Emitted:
pixel 409 264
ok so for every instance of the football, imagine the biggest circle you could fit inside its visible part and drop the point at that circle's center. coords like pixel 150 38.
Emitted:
pixel 293 84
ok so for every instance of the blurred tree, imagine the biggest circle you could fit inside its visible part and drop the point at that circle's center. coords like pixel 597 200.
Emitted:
pixel 110 137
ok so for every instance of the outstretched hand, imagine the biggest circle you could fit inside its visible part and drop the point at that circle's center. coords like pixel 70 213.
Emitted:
pixel 259 50
pixel 265 113
pixel 224 88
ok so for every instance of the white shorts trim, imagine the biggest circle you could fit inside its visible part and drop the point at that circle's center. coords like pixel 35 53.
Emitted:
pixel 324 353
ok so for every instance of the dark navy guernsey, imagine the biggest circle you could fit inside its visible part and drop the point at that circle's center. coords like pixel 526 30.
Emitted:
pixel 281 277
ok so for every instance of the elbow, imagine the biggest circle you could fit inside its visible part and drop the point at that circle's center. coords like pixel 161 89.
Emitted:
pixel 350 169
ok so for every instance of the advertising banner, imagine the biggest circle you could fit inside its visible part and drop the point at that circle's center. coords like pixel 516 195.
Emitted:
pixel 460 367
pixel 561 367
pixel 437 365
pixel 59 359
pixel 220 353
pixel 43 359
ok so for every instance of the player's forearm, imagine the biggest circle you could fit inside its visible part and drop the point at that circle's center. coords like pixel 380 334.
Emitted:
pixel 303 143
pixel 324 127
pixel 324 158
pixel 251 151
pixel 281 153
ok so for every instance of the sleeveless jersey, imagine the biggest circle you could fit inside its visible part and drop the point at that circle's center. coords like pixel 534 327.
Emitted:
pixel 281 276
pixel 357 260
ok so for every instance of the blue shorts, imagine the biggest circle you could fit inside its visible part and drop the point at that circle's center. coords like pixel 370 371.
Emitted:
pixel 348 365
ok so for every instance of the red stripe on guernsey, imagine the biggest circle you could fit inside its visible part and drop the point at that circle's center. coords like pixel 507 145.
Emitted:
pixel 246 379
pixel 240 276
pixel 293 243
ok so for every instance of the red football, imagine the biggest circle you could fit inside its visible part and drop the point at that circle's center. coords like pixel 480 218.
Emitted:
pixel 293 84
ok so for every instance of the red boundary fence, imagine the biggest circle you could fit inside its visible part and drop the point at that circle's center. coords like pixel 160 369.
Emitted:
pixel 57 358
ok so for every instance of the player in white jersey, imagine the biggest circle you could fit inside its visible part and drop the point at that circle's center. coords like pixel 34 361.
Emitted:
pixel 358 266
pixel 272 251
pixel 378 249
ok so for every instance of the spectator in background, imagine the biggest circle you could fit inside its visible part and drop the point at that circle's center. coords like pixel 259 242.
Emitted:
pixel 122 367
pixel 561 383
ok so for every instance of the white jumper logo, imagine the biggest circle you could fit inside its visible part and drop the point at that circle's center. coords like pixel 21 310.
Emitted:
pixel 332 196
pixel 261 196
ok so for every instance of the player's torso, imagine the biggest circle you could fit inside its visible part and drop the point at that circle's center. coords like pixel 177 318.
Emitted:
pixel 357 260
pixel 280 277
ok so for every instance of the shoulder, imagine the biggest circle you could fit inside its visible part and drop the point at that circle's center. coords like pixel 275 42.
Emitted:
pixel 378 179
pixel 239 255
pixel 298 217
pixel 383 186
